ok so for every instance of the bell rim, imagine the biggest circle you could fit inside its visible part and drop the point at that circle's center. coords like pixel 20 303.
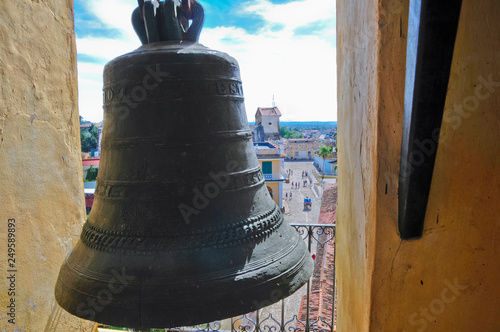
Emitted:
pixel 257 292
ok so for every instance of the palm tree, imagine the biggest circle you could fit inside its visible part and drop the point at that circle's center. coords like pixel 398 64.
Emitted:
pixel 324 152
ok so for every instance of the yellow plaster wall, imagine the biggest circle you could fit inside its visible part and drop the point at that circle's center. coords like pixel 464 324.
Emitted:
pixel 276 165
pixel 275 186
pixel 273 151
pixel 40 163
pixel 448 280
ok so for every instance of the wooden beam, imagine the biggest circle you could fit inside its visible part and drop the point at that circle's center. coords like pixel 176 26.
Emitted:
pixel 432 29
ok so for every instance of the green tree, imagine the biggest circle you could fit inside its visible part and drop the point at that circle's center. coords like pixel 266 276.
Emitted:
pixel 91 174
pixel 324 152
pixel 89 138
pixel 293 133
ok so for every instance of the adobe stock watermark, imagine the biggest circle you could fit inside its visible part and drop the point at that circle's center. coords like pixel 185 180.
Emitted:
pixel 137 94
pixel 436 306
pixel 484 89
pixel 87 310
pixel 202 197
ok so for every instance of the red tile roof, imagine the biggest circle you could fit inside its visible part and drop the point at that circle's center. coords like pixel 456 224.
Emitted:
pixel 306 145
pixel 90 162
pixel 321 297
pixel 269 111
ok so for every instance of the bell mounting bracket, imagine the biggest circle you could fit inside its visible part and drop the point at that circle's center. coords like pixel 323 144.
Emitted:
pixel 169 20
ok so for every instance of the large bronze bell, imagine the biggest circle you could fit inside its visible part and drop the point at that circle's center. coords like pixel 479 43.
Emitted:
pixel 183 230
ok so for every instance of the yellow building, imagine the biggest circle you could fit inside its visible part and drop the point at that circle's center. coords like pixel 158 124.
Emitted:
pixel 303 148
pixel 272 162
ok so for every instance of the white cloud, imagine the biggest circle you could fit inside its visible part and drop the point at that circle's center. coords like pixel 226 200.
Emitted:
pixel 292 14
pixel 299 70
pixel 105 48
pixel 114 14
pixel 90 98
pixel 90 69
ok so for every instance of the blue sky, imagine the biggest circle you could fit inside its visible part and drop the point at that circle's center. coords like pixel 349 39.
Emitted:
pixel 284 48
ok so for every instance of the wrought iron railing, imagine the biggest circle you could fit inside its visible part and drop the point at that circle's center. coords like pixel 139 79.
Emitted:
pixel 274 177
pixel 283 317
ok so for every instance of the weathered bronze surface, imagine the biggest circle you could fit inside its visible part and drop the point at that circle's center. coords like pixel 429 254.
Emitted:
pixel 183 230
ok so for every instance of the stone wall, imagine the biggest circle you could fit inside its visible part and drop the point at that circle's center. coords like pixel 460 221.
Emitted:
pixel 40 165
pixel 448 279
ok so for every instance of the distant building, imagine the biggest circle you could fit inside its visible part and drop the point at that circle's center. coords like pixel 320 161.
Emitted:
pixel 326 166
pixel 258 134
pixel 89 162
pixel 99 130
pixel 85 124
pixel 302 148
pixel 271 160
pixel 89 187
pixel 268 119
pixel 310 133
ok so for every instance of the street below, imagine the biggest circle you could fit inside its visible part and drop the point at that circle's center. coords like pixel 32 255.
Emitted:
pixel 296 212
